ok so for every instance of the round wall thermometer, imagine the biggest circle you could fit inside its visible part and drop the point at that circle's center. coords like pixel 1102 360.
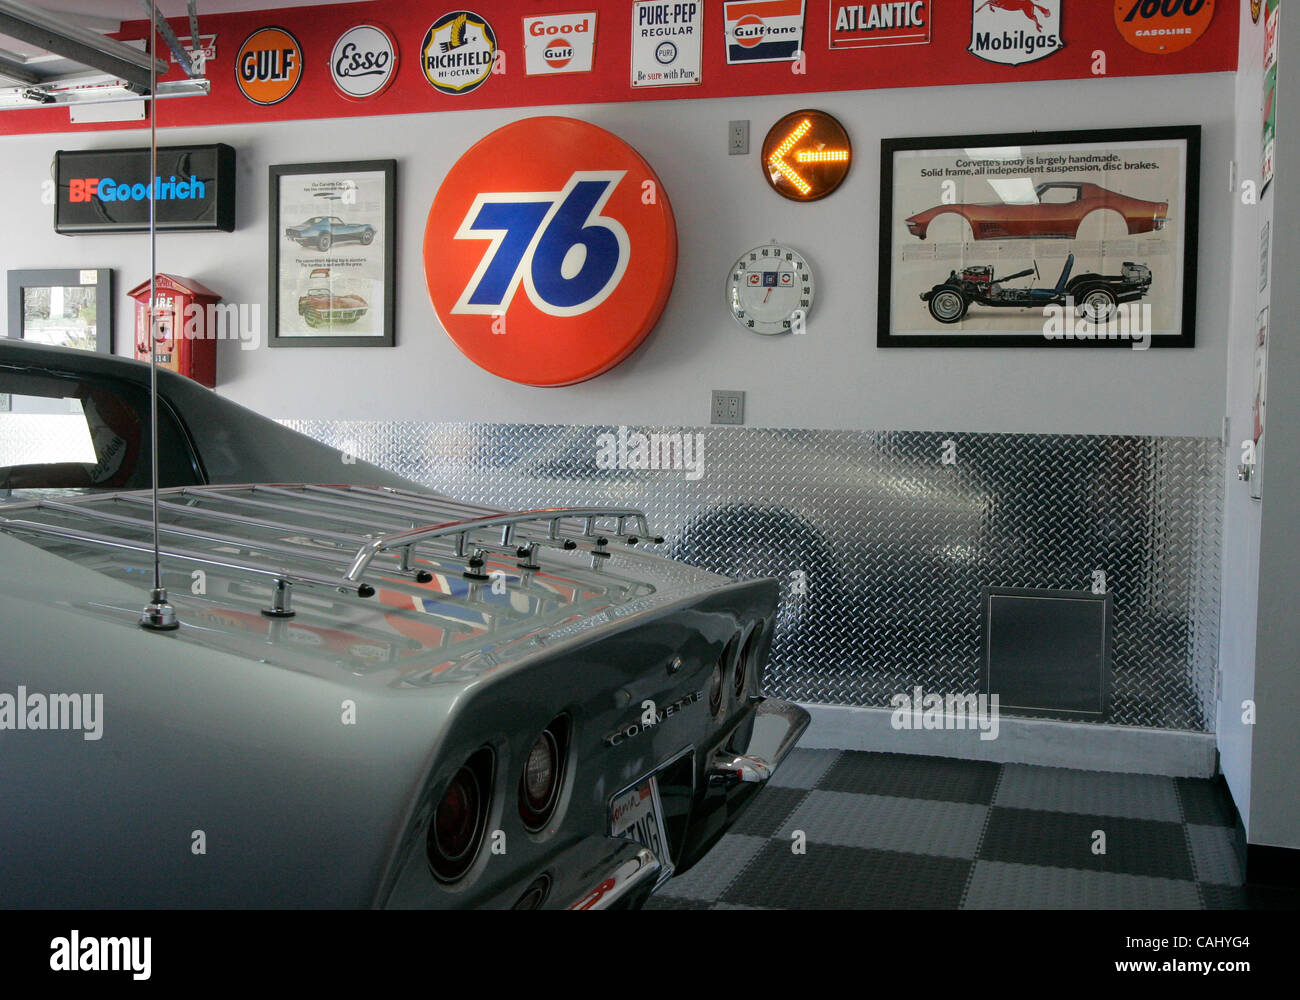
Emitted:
pixel 770 289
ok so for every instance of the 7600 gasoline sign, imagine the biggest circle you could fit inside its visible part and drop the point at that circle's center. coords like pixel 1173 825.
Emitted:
pixel 1162 26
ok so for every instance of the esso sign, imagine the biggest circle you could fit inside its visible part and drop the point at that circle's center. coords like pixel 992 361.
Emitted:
pixel 364 62
pixel 550 251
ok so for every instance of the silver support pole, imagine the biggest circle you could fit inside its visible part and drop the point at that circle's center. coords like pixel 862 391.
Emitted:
pixel 158 614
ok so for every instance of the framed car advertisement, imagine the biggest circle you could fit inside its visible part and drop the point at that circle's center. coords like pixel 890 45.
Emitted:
pixel 331 260
pixel 1040 239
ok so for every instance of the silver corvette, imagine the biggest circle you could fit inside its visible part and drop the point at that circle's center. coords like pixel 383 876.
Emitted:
pixel 375 696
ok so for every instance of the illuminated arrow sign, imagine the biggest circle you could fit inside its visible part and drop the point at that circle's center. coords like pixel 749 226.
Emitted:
pixel 806 155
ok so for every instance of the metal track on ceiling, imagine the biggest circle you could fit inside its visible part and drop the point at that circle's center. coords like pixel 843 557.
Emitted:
pixel 77 66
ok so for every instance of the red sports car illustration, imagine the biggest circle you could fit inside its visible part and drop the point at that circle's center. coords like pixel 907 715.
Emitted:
pixel 1059 209
pixel 321 307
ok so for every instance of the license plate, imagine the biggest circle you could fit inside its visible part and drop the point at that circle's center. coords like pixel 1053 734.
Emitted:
pixel 637 814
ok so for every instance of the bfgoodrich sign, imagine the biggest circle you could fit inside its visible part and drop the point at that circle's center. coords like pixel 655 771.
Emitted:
pixel 109 190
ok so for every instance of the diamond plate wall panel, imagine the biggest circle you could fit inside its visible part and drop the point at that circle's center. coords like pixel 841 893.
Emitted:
pixel 884 542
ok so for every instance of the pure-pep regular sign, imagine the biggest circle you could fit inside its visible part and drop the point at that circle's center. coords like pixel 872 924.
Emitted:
pixel 109 190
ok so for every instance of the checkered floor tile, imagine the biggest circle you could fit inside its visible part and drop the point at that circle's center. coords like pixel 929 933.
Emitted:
pixel 895 831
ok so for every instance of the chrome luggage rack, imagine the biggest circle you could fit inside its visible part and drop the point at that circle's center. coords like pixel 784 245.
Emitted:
pixel 375 529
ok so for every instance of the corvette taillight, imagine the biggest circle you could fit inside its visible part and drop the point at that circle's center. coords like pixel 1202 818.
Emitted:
pixel 543 775
pixel 747 661
pixel 460 818
pixel 718 682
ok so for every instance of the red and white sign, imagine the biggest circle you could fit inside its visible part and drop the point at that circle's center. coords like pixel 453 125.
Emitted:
pixel 763 30
pixel 550 251
pixel 1013 32
pixel 559 43
pixel 1163 27
pixel 865 25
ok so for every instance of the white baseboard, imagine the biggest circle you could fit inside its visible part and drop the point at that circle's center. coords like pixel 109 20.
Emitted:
pixel 1086 746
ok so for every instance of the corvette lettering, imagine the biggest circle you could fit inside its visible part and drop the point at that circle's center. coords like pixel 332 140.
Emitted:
pixel 634 729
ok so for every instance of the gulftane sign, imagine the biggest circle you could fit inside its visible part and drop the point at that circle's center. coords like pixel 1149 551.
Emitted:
pixel 110 190
pixel 550 251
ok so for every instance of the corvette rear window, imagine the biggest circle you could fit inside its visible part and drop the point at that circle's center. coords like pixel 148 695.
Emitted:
pixel 83 434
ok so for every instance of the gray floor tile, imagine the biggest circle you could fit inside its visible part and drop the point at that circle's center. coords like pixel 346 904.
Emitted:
pixel 1066 840
pixel 1214 856
pixel 997 885
pixel 707 880
pixel 912 826
pixel 1098 793
pixel 830 877
pixel 803 768
pixel 912 776
pixel 1206 801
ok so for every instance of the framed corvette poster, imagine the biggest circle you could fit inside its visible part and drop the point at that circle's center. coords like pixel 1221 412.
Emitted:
pixel 331 254
pixel 1040 239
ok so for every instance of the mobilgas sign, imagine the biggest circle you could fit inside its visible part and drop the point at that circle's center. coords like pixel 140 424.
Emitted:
pixel 109 190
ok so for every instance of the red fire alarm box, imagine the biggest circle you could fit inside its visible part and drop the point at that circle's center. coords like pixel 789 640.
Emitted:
pixel 186 327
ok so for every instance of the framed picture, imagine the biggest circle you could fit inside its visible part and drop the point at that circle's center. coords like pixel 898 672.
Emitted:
pixel 1040 239
pixel 331 258
pixel 64 307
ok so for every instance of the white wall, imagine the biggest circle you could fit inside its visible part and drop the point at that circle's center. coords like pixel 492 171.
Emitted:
pixel 1240 566
pixel 832 378
pixel 1275 745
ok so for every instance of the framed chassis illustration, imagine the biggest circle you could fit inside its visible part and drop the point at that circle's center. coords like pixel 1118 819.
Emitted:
pixel 331 258
pixel 1040 239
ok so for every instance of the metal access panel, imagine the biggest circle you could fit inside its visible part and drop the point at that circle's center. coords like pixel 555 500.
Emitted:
pixel 1047 652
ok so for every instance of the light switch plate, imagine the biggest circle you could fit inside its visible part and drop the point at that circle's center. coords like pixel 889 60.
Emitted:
pixel 728 406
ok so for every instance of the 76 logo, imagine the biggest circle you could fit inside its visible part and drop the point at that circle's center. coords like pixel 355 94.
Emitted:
pixel 567 255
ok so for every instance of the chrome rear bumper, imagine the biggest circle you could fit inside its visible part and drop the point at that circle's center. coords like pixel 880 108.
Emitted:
pixel 626 883
pixel 776 729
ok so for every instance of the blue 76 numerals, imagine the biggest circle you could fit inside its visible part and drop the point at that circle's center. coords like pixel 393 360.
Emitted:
pixel 568 256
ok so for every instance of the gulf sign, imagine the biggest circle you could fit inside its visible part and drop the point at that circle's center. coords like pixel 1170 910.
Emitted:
pixel 559 43
pixel 550 251
pixel 866 25
pixel 763 30
pixel 268 66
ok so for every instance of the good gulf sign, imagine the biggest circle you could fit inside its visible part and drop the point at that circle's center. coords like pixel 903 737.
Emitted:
pixel 550 251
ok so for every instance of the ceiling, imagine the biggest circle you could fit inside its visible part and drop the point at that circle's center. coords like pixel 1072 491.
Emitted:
pixel 107 15
pixel 129 10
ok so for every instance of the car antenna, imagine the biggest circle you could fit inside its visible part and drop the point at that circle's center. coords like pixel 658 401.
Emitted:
pixel 158 614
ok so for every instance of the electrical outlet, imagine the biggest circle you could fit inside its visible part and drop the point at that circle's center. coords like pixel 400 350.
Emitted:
pixel 728 406
pixel 738 138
